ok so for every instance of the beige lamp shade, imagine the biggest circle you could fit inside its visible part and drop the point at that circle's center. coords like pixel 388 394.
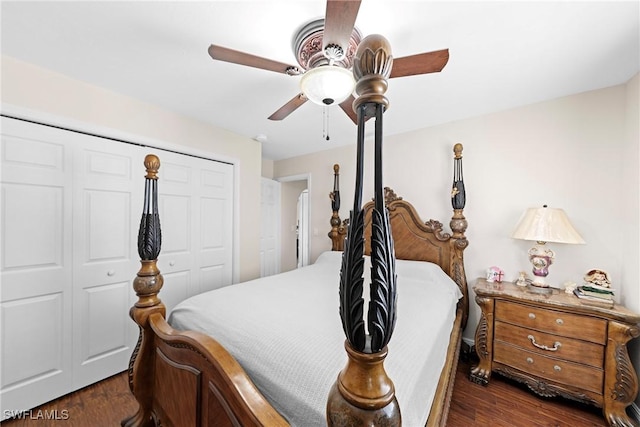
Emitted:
pixel 546 225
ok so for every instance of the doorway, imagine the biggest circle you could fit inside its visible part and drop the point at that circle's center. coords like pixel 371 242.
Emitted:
pixel 295 216
pixel 302 229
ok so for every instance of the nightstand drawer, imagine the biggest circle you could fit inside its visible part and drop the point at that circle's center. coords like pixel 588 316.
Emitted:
pixel 551 321
pixel 551 345
pixel 568 373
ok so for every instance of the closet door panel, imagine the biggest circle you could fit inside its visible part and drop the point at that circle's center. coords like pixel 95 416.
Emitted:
pixel 175 205
pixel 36 265
pixel 196 215
pixel 215 217
pixel 105 256
pixel 33 243
pixel 101 338
pixel 175 288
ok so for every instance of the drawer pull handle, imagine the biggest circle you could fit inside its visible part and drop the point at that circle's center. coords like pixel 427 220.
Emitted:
pixel 111 273
pixel 557 368
pixel 559 321
pixel 172 263
pixel 556 345
pixel 532 316
pixel 529 360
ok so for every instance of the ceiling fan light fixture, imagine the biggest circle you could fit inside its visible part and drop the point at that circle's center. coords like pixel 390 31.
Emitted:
pixel 327 84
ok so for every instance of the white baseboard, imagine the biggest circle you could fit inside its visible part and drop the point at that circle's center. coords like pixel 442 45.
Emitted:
pixel 634 412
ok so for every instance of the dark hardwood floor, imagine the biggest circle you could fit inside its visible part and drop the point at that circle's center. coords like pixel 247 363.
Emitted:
pixel 503 403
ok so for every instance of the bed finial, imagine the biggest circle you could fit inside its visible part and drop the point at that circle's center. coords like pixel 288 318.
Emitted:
pixel 457 149
pixel 152 164
pixel 371 69
pixel 458 194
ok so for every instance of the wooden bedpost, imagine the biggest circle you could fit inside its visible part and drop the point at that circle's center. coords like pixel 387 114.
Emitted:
pixel 338 227
pixel 147 285
pixel 458 225
pixel 363 394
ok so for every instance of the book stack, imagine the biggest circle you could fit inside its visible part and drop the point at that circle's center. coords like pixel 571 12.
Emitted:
pixel 590 293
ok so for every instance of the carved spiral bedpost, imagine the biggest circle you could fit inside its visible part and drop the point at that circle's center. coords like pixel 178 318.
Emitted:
pixel 338 227
pixel 458 225
pixel 363 393
pixel 147 285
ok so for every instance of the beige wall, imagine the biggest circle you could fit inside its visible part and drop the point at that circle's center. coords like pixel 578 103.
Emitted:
pixel 45 95
pixel 267 168
pixel 565 153
pixel 631 209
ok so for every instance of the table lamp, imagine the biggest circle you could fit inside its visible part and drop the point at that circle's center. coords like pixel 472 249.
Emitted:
pixel 544 225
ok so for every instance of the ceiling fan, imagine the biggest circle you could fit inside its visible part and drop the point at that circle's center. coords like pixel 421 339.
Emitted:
pixel 324 49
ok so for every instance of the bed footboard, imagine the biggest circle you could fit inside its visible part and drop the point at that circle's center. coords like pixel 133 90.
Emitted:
pixel 182 378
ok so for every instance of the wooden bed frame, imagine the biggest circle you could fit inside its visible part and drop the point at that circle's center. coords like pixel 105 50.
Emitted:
pixel 186 378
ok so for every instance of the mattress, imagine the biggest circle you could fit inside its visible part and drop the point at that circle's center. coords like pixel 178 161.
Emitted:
pixel 285 331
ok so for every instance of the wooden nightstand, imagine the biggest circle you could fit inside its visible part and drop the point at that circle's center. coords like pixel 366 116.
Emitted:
pixel 557 346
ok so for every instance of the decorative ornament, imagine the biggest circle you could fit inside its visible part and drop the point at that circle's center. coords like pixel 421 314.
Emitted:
pixel 495 274
pixel 598 277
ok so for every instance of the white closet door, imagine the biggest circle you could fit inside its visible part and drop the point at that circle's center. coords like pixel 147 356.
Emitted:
pixel 108 192
pixel 196 216
pixel 175 205
pixel 71 206
pixel 36 265
pixel 270 228
pixel 214 220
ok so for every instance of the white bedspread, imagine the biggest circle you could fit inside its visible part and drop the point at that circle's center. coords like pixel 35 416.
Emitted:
pixel 286 333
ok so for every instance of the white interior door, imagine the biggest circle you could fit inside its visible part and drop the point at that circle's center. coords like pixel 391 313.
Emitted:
pixel 36 265
pixel 303 229
pixel 270 228
pixel 108 188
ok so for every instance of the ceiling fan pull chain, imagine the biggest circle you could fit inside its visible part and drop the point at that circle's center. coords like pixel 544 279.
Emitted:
pixel 325 123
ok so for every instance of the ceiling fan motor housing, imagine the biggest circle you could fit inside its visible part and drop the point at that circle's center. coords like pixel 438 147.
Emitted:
pixel 307 47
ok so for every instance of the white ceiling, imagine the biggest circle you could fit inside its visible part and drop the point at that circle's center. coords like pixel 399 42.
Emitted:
pixel 502 55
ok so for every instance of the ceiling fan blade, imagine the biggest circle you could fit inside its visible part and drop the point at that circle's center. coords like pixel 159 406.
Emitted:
pixel 347 107
pixel 289 107
pixel 422 63
pixel 236 57
pixel 339 19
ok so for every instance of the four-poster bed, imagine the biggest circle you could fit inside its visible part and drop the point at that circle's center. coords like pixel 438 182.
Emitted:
pixel 211 365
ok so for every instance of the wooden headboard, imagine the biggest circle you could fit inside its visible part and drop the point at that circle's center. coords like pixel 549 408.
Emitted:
pixel 422 241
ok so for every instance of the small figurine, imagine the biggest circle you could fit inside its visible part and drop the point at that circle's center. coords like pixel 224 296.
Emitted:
pixel 569 287
pixel 495 274
pixel 523 280
pixel 598 277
